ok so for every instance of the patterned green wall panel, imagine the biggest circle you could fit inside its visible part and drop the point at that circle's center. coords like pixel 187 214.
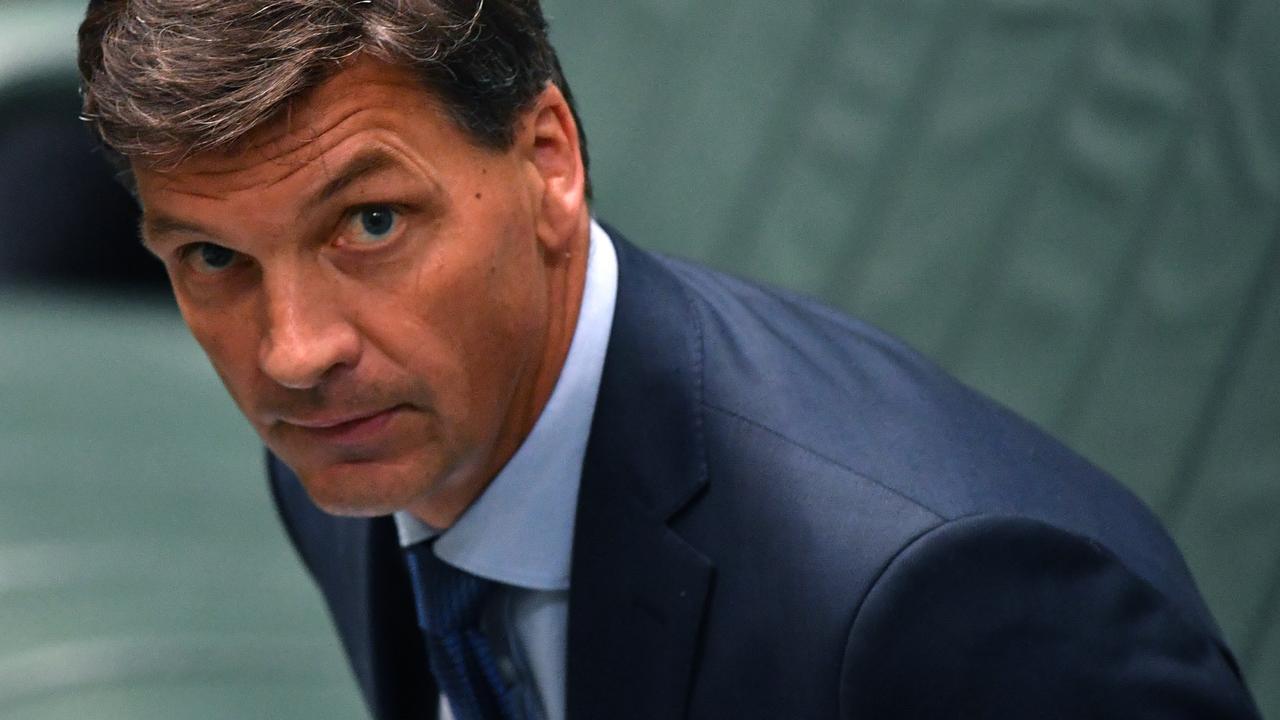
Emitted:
pixel 1264 671
pixel 1172 314
pixel 1074 217
pixel 1226 514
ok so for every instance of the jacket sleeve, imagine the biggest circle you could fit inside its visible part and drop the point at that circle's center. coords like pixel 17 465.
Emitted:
pixel 995 617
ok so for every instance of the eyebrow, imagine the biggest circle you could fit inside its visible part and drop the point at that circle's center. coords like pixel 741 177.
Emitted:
pixel 364 164
pixel 153 226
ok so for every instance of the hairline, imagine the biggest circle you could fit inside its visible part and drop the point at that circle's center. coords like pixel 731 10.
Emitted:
pixel 126 164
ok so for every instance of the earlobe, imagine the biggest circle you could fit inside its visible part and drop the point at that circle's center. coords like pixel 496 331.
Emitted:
pixel 552 142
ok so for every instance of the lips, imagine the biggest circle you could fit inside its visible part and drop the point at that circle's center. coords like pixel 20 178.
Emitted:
pixel 346 429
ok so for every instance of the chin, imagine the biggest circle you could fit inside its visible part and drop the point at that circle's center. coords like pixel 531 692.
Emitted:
pixel 365 489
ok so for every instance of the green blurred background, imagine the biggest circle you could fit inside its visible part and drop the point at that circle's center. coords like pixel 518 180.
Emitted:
pixel 1070 204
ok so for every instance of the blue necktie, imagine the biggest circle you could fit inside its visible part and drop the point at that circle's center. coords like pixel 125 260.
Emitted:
pixel 450 602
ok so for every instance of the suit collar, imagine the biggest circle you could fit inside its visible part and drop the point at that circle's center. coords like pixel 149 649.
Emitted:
pixel 638 589
pixel 648 419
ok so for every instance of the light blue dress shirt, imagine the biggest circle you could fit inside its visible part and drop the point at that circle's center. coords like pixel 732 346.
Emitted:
pixel 519 532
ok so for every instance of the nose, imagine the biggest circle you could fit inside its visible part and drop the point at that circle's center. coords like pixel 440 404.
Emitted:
pixel 307 334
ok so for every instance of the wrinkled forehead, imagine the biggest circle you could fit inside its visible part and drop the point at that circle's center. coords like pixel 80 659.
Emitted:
pixel 367 98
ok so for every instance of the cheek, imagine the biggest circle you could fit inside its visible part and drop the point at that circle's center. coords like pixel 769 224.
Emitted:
pixel 479 287
pixel 230 343
pixel 473 327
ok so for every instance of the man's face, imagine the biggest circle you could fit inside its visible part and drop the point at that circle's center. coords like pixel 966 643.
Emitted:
pixel 387 302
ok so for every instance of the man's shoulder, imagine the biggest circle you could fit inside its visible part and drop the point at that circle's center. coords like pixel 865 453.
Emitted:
pixel 815 414
pixel 828 385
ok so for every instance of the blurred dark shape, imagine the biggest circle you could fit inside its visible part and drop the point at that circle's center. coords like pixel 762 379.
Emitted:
pixel 64 218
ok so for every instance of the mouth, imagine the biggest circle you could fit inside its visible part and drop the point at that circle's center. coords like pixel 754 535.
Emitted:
pixel 348 428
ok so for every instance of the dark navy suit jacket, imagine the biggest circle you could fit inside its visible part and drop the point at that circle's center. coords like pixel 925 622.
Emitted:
pixel 786 514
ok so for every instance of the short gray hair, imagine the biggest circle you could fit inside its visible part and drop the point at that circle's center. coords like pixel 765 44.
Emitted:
pixel 163 79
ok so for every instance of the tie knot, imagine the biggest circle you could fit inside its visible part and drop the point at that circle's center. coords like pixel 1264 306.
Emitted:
pixel 448 599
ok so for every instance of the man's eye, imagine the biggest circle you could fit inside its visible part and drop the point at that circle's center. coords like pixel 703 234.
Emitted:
pixel 209 258
pixel 374 224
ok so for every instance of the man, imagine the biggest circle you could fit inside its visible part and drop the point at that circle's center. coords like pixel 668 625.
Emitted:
pixel 540 473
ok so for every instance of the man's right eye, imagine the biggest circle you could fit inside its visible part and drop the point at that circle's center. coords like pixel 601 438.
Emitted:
pixel 209 258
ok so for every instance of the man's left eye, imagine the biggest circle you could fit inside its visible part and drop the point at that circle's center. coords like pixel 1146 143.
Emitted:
pixel 375 223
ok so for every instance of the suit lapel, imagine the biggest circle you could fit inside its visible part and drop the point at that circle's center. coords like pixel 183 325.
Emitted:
pixel 638 590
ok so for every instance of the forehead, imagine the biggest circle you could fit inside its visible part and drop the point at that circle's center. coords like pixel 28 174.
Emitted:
pixel 366 97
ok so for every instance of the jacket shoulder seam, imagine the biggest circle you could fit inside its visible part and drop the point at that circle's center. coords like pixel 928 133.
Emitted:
pixel 826 459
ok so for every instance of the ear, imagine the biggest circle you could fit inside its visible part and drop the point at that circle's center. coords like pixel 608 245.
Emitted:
pixel 550 139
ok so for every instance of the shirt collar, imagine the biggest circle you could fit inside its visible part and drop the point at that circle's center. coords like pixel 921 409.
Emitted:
pixel 520 530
